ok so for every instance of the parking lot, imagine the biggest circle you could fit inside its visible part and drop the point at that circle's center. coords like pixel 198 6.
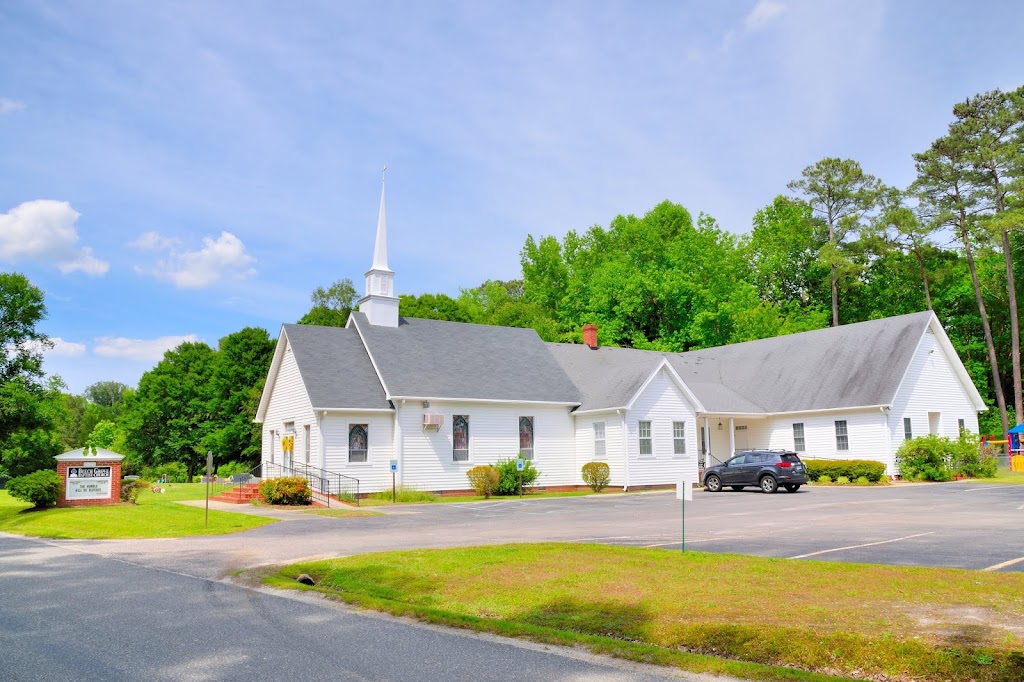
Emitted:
pixel 957 525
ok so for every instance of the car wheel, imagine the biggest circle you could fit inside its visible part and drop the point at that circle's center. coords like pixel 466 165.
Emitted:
pixel 736 487
pixel 769 484
pixel 792 487
pixel 713 484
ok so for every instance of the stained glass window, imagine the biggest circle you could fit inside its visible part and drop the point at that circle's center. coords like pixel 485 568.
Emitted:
pixel 526 437
pixel 460 438
pixel 357 442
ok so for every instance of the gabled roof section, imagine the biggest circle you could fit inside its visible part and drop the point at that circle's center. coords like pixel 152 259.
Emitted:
pixel 607 378
pixel 854 365
pixel 455 361
pixel 335 369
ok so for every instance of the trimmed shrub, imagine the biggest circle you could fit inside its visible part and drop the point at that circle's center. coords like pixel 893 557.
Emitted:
pixel 484 479
pixel 842 480
pixel 597 475
pixel 40 488
pixel 863 480
pixel 292 490
pixel 509 476
pixel 130 490
pixel 850 468
pixel 824 479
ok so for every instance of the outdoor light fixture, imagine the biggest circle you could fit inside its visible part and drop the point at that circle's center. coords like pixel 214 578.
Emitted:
pixel 426 404
pixel 719 426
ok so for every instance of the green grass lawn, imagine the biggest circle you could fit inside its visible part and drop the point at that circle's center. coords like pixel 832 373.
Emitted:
pixel 411 496
pixel 758 618
pixel 1003 476
pixel 155 516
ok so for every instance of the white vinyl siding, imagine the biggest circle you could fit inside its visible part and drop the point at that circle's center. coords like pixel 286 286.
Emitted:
pixel 290 403
pixel 661 403
pixel 646 447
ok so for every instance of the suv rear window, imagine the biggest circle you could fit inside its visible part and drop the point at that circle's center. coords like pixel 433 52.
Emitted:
pixel 789 457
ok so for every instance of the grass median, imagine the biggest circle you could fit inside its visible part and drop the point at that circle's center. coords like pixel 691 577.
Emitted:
pixel 752 617
pixel 156 515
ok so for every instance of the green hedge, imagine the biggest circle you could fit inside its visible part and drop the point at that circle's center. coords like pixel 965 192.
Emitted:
pixel 852 469
pixel 936 458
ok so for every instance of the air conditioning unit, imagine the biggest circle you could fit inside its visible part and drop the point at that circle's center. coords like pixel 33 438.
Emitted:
pixel 432 422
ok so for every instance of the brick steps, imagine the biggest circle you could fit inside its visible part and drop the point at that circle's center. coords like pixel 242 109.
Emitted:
pixel 241 494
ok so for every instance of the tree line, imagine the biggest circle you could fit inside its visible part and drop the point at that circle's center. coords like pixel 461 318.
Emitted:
pixel 837 245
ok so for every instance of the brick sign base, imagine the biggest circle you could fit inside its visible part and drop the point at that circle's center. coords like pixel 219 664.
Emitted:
pixel 90 480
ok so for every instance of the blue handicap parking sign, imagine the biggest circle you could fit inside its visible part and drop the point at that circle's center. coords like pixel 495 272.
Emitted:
pixel 519 464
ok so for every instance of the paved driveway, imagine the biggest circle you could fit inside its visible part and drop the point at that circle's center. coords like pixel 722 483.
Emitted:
pixel 959 525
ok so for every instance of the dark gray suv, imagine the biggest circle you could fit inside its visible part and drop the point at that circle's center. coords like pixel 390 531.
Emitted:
pixel 767 469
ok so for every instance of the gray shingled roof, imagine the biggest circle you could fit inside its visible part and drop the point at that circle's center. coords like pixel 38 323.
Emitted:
pixel 606 377
pixel 848 366
pixel 335 368
pixel 435 359
pixel 853 365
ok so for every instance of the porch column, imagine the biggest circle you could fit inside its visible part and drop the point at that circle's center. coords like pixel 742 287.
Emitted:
pixel 732 437
pixel 706 436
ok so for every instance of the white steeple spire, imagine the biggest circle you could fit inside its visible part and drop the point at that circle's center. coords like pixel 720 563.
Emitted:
pixel 379 304
pixel 380 247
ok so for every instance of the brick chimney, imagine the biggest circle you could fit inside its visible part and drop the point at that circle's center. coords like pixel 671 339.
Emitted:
pixel 590 335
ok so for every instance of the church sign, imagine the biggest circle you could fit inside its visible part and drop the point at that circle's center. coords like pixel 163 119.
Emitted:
pixel 88 483
pixel 91 477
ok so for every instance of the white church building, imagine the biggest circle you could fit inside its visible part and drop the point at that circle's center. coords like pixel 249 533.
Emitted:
pixel 438 398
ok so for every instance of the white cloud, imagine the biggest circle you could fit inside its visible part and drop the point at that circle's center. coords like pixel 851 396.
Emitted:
pixel 763 14
pixel 44 230
pixel 218 258
pixel 151 350
pixel 65 349
pixel 8 106
pixel 153 241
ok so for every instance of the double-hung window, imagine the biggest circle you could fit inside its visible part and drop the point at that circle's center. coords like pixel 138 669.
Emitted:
pixel 460 438
pixel 908 430
pixel 679 438
pixel 358 443
pixel 305 442
pixel 842 437
pixel 599 441
pixel 646 448
pixel 799 442
pixel 526 437
pixel 961 426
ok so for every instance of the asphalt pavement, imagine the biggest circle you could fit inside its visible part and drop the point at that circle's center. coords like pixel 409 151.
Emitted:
pixel 166 609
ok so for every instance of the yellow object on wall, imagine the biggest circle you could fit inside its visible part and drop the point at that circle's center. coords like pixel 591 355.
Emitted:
pixel 1017 463
pixel 288 444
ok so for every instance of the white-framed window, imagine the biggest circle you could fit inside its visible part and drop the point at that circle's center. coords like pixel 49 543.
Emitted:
pixel 460 438
pixel 526 437
pixel 908 429
pixel 646 446
pixel 799 442
pixel 273 443
pixel 679 438
pixel 842 436
pixel 358 443
pixel 961 426
pixel 305 442
pixel 599 441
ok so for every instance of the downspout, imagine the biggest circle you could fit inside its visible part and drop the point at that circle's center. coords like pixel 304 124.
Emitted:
pixel 625 449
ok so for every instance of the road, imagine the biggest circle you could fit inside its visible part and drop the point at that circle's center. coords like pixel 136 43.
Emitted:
pixel 164 609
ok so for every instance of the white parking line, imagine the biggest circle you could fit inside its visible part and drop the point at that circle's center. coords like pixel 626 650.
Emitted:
pixel 1011 562
pixel 987 487
pixel 866 544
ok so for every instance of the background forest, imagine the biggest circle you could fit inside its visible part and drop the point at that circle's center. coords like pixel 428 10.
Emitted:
pixel 837 246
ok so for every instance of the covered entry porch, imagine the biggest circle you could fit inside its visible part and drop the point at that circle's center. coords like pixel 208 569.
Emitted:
pixel 720 436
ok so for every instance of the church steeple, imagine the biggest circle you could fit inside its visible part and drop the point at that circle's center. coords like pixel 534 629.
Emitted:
pixel 379 304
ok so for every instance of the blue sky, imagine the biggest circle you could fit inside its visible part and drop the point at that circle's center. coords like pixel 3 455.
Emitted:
pixel 176 170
